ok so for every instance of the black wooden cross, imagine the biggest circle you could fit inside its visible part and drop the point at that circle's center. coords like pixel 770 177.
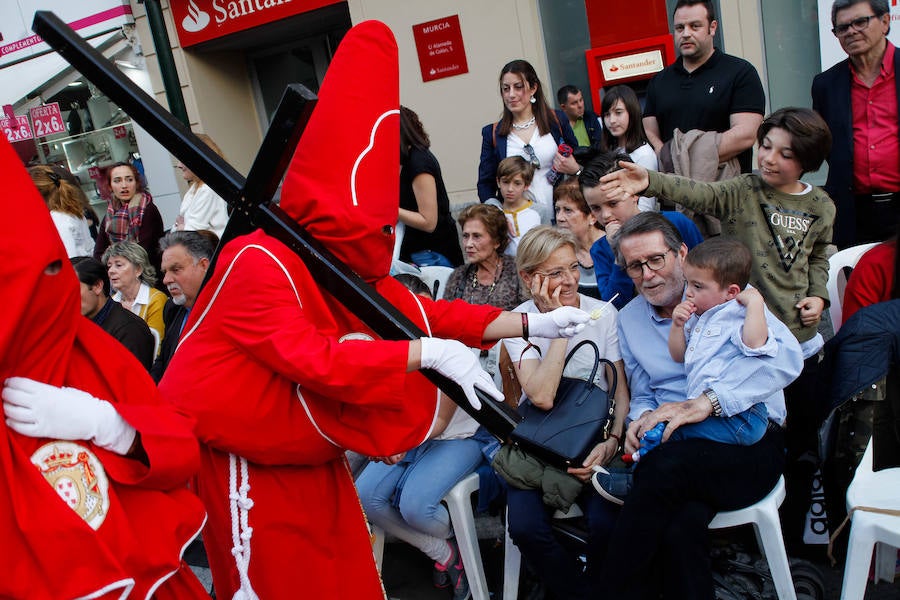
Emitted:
pixel 251 199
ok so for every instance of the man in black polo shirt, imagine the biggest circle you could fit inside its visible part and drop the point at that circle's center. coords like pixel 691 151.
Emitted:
pixel 705 89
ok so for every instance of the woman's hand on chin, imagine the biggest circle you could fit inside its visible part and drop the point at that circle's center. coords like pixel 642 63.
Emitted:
pixel 540 293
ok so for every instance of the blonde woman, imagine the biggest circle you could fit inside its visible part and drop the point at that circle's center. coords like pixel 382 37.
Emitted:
pixel 548 267
pixel 66 204
pixel 132 276
pixel 201 208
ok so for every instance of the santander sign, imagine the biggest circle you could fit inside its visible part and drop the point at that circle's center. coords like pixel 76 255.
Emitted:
pixel 198 21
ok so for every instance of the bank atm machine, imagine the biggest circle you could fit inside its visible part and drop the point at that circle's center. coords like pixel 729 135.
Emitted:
pixel 630 43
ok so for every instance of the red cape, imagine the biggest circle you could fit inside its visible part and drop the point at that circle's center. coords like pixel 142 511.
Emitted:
pixel 281 377
pixel 146 516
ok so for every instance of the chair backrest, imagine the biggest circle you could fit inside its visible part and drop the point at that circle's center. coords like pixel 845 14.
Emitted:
pixel 435 277
pixel 156 342
pixel 399 232
pixel 839 266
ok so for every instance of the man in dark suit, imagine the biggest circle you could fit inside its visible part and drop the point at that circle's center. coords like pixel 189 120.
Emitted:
pixel 96 305
pixel 185 260
pixel 585 124
pixel 858 99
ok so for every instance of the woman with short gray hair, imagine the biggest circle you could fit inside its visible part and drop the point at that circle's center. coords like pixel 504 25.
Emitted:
pixel 133 277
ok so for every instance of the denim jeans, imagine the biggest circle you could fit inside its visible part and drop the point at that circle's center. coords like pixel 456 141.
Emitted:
pixel 743 429
pixel 555 565
pixel 417 513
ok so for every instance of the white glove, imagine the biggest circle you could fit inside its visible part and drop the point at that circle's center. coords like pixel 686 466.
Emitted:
pixel 565 321
pixel 457 362
pixel 38 410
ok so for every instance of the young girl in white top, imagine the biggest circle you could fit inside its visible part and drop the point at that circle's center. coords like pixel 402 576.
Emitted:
pixel 624 131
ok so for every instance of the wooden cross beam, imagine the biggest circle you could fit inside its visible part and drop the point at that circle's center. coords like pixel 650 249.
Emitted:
pixel 251 199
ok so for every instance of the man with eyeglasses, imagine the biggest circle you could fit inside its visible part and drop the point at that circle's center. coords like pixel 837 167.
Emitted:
pixel 613 283
pixel 660 535
pixel 858 99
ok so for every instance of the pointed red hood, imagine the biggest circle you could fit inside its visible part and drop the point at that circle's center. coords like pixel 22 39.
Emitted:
pixel 343 183
pixel 40 311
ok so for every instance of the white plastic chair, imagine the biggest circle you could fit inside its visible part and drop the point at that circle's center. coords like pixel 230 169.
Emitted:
pixel 399 232
pixel 763 515
pixel 156 342
pixel 435 277
pixel 837 279
pixel 878 489
pixel 459 505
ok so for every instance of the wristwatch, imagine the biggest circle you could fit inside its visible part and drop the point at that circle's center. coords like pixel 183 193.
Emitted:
pixel 579 171
pixel 714 400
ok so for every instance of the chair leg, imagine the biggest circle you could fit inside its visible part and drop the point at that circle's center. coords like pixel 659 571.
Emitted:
pixel 378 545
pixel 771 543
pixel 859 558
pixel 459 505
pixel 512 564
pixel 885 562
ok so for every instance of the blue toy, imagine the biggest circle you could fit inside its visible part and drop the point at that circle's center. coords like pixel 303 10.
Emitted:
pixel 651 440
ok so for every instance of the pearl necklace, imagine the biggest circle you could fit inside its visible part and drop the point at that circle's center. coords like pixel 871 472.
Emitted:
pixel 524 125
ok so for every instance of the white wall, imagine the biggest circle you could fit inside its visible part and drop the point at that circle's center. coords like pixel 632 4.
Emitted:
pixel 455 109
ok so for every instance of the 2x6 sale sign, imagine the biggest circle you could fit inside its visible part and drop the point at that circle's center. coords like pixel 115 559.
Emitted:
pixel 47 120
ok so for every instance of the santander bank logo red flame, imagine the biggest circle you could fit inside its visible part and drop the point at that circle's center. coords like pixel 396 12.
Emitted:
pixel 196 19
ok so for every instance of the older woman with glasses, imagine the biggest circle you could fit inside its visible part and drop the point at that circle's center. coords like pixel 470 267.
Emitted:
pixel 548 266
pixel 529 128
pixel 132 277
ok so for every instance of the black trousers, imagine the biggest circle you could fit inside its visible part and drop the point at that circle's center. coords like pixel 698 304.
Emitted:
pixel 660 543
pixel 877 216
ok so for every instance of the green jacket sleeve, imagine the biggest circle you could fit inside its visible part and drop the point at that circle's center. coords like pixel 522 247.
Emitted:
pixel 717 198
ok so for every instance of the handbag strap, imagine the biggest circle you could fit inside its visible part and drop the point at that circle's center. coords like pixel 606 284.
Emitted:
pixel 597 360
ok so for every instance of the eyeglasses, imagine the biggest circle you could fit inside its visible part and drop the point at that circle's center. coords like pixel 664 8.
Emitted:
pixel 654 263
pixel 560 274
pixel 857 24
pixel 532 157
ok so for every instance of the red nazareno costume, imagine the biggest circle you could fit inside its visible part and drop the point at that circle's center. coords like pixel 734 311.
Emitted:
pixel 280 377
pixel 78 521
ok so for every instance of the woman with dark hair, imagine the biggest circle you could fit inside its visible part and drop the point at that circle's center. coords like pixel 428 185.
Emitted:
pixel 66 209
pixel 574 215
pixel 430 237
pixel 130 214
pixel 489 276
pixel 527 128
pixel 624 131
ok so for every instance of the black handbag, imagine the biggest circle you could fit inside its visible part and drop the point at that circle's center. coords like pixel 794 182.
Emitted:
pixel 580 418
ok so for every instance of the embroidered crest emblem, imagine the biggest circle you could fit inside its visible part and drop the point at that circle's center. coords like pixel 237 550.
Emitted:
pixel 789 229
pixel 78 477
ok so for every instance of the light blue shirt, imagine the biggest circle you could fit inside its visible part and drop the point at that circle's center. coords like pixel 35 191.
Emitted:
pixel 715 351
pixel 654 378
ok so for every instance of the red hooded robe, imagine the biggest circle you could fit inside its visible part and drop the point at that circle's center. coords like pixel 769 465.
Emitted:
pixel 77 520
pixel 280 377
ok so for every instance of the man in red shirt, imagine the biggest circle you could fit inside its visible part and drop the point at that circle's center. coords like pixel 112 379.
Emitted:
pixel 858 99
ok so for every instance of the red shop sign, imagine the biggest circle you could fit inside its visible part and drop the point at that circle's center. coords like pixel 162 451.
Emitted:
pixel 199 21
pixel 47 120
pixel 439 44
pixel 120 132
pixel 16 130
